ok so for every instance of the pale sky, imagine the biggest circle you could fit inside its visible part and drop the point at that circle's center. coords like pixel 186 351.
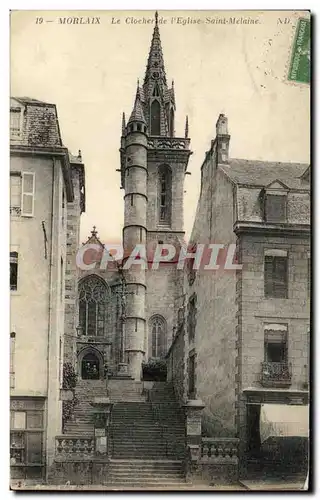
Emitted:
pixel 90 72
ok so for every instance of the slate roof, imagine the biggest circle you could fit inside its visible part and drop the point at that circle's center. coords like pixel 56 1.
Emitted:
pixel 263 173
pixel 137 112
pixel 30 100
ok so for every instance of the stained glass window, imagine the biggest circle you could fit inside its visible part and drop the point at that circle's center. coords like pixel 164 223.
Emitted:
pixel 92 306
pixel 158 332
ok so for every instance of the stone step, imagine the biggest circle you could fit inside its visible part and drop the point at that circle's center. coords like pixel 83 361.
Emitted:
pixel 152 485
pixel 152 467
pixel 146 479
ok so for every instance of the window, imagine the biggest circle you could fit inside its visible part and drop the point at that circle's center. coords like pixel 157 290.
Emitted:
pixel 275 208
pixel 164 195
pixel 171 125
pixel 158 333
pixel 192 319
pixel 15 193
pixel 276 275
pixel 92 306
pixel 156 91
pixel 275 368
pixel 192 376
pixel 12 354
pixel 15 122
pixel 28 183
pixel 26 439
pixel 155 117
pixel 13 270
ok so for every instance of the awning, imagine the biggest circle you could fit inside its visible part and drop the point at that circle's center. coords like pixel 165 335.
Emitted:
pixel 284 421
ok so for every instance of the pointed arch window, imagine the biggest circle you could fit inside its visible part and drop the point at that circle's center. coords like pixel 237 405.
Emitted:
pixel 92 306
pixel 164 195
pixel 171 122
pixel 156 91
pixel 155 117
pixel 158 327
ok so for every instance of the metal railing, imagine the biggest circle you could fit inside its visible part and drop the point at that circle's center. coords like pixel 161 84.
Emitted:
pixel 276 373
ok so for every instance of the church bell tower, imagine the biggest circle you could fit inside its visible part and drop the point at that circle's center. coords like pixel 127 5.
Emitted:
pixel 153 167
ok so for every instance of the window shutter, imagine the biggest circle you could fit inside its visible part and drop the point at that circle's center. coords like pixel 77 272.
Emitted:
pixel 27 195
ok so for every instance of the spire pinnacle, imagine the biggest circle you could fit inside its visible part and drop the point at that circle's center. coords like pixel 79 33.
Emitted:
pixel 123 123
pixel 156 18
pixel 186 134
pixel 137 112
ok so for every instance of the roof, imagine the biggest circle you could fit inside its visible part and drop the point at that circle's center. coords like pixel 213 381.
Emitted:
pixel 263 173
pixel 30 100
pixel 137 112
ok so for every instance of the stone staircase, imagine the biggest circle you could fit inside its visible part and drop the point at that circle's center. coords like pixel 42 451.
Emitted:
pixel 126 390
pixel 147 473
pixel 83 422
pixel 147 431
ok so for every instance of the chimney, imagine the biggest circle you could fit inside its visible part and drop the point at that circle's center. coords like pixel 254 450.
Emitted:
pixel 222 140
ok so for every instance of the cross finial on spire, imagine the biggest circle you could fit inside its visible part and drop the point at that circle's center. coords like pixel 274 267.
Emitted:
pixel 156 17
pixel 94 232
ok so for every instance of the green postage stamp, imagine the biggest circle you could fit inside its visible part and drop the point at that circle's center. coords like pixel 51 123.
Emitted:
pixel 299 69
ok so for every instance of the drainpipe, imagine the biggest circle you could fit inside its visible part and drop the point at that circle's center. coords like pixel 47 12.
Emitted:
pixel 50 307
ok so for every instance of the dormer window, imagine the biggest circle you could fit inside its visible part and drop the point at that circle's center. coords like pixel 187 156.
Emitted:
pixel 275 207
pixel 275 203
pixel 15 123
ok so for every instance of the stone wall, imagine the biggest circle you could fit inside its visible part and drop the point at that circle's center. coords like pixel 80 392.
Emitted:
pixel 72 271
pixel 164 287
pixel 256 310
pixel 215 340
pixel 176 366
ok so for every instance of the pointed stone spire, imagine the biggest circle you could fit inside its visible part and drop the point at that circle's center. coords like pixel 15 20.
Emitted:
pixel 123 123
pixel 186 134
pixel 155 71
pixel 137 112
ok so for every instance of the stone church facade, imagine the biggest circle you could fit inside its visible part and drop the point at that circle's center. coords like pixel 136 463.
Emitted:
pixel 153 166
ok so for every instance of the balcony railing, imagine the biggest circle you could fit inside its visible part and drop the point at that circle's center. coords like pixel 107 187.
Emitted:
pixel 74 447
pixel 219 450
pixel 169 143
pixel 275 374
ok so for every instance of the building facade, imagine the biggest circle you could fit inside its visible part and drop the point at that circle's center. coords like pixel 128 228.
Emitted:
pixel 235 338
pixel 243 344
pixel 153 166
pixel 41 186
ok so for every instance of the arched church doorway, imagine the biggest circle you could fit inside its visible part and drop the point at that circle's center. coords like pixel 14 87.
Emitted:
pixel 90 367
